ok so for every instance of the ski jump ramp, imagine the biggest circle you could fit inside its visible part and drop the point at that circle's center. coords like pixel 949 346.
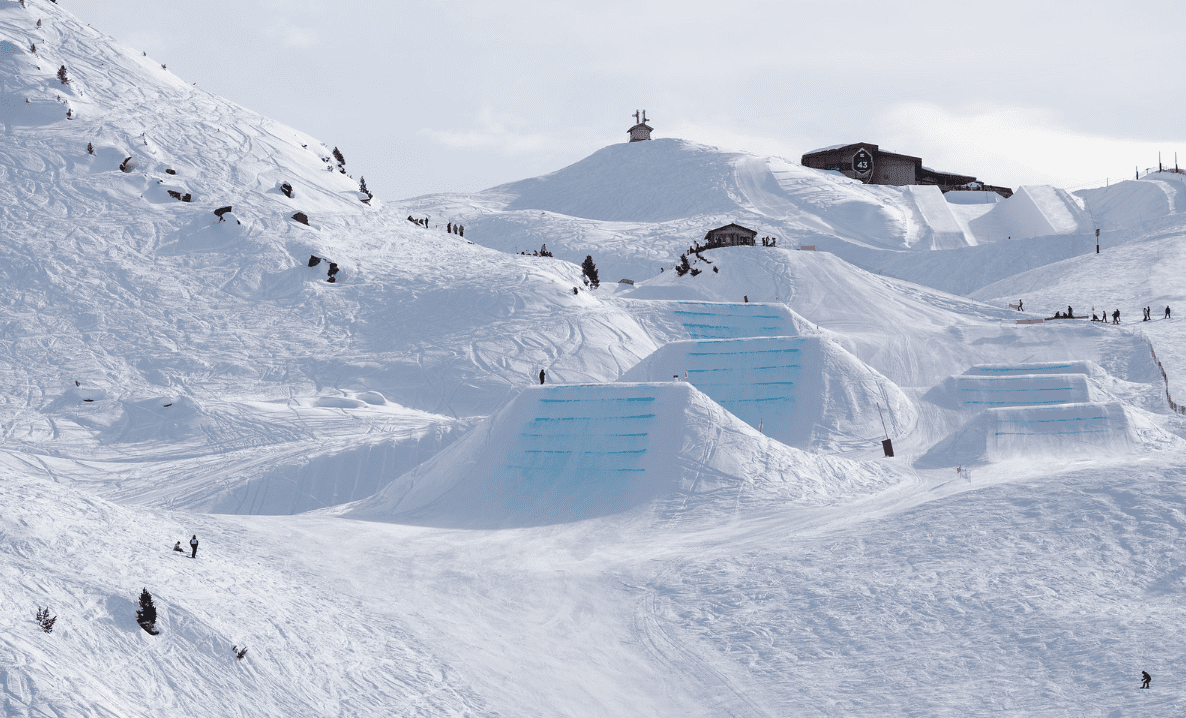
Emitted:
pixel 557 454
pixel 1061 431
pixel 803 391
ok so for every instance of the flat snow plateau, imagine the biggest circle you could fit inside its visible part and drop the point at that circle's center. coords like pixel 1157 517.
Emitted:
pixel 692 517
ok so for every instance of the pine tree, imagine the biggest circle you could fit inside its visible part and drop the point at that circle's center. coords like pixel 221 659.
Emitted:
pixel 146 615
pixel 341 160
pixel 590 271
pixel 362 187
pixel 682 268
pixel 33 48
pixel 62 75
pixel 47 623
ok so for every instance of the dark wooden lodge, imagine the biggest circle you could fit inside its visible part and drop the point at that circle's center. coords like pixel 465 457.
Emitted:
pixel 731 235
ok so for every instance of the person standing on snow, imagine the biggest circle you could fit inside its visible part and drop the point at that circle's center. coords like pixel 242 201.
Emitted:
pixel 1116 316
pixel 541 376
pixel 1167 312
pixel 193 544
pixel 1145 678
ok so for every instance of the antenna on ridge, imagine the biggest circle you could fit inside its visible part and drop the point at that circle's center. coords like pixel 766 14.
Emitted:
pixel 636 116
pixel 644 116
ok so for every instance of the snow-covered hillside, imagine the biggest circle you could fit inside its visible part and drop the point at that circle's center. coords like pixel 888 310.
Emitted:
pixel 694 516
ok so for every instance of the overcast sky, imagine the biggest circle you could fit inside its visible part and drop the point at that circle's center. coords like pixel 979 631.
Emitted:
pixel 428 96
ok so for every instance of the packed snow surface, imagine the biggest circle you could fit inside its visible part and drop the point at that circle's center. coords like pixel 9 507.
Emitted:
pixel 693 515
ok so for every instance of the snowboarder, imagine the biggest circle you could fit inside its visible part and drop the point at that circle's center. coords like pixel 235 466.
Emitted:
pixel 1145 678
pixel 1116 316
pixel 193 544
pixel 1094 318
pixel 1167 312
pixel 177 547
pixel 541 376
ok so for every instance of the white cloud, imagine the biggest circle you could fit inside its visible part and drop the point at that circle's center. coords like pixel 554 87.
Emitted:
pixel 504 133
pixel 1008 145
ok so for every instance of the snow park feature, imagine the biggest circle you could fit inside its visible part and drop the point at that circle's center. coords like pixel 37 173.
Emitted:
pixel 563 454
pixel 807 392
pixel 692 516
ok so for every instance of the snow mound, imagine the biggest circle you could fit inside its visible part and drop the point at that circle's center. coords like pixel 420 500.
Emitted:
pixel 562 454
pixel 1135 203
pixel 804 392
pixel 635 181
pixel 1032 211
pixel 974 393
pixel 1066 430
pixel 332 475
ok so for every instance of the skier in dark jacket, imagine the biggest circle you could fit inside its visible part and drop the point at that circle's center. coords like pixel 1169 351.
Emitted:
pixel 193 544
pixel 541 376
pixel 1116 316
pixel 1145 678
pixel 1167 312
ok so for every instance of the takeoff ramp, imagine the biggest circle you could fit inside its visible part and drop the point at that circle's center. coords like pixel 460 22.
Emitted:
pixel 1065 430
pixel 806 392
pixel 945 230
pixel 566 453
pixel 979 392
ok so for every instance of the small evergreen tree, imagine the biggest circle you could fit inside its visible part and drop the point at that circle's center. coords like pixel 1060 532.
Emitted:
pixel 590 271
pixel 362 187
pixel 146 615
pixel 682 268
pixel 340 159
pixel 62 75
pixel 47 623
pixel 33 48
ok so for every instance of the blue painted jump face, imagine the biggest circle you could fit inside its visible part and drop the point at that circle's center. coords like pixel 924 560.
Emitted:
pixel 706 320
pixel 592 442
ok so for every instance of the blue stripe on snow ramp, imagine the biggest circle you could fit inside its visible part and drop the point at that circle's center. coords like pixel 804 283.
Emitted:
pixel 513 470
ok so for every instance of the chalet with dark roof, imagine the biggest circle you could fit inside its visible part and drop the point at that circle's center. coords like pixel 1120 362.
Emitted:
pixel 731 235
pixel 870 164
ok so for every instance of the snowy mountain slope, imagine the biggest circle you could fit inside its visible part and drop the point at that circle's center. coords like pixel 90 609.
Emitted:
pixel 739 577
pixel 635 207
pixel 1127 277
pixel 145 300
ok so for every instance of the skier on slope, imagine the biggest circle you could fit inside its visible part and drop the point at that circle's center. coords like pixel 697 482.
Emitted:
pixel 541 376
pixel 1145 678
pixel 193 544
pixel 1167 312
pixel 1116 316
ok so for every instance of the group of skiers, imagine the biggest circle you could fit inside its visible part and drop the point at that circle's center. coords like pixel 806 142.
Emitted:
pixel 193 544
pixel 457 229
pixel 1148 314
